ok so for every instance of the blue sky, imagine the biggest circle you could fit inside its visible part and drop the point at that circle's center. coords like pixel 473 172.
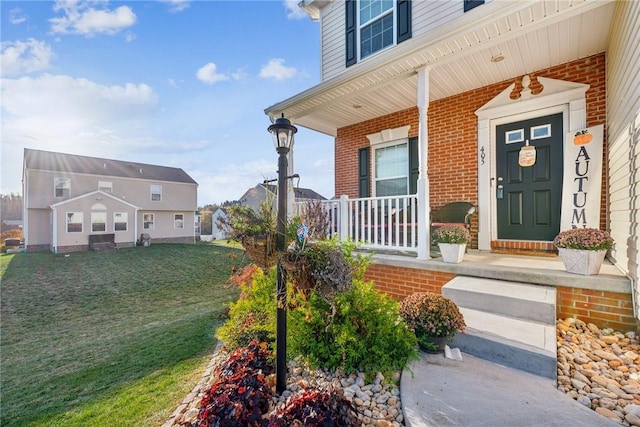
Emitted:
pixel 174 83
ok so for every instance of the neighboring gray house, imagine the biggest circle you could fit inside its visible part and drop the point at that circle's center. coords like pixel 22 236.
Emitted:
pixel 261 192
pixel 72 202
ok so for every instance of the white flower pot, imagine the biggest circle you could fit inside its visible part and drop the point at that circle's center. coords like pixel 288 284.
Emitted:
pixel 452 252
pixel 580 261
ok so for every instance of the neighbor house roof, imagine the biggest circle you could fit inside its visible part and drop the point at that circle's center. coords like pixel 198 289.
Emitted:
pixel 61 162
pixel 300 193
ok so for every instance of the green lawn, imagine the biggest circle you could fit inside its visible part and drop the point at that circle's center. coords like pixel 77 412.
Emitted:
pixel 108 338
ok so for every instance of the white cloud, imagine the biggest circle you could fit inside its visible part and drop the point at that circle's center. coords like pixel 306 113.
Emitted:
pixel 293 11
pixel 176 6
pixel 275 69
pixel 81 18
pixel 17 16
pixel 60 109
pixel 24 57
pixel 208 74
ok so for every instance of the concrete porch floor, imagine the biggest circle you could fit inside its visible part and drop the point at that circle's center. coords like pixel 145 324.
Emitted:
pixel 541 270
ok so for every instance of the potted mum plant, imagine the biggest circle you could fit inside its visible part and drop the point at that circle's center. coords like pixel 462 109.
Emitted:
pixel 452 241
pixel 583 249
pixel 434 319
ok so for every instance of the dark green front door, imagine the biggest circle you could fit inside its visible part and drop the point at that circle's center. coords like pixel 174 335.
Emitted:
pixel 529 197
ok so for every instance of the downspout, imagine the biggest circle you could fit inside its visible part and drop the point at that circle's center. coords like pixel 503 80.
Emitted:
pixel 54 229
pixel 25 217
pixel 424 240
pixel 135 227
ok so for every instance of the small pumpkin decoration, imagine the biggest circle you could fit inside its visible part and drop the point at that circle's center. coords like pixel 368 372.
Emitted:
pixel 583 137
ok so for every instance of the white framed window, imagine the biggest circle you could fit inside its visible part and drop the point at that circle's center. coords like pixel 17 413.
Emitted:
pixel 376 20
pixel 156 193
pixel 106 186
pixel 62 187
pixel 178 221
pixel 98 218
pixel 148 221
pixel 75 221
pixel 391 169
pixel 120 221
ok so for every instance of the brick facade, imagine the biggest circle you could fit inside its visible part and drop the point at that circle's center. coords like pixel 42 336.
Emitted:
pixel 605 309
pixel 453 134
pixel 602 308
pixel 452 167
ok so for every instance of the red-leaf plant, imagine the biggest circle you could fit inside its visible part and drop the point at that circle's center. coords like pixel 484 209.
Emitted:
pixel 315 408
pixel 240 396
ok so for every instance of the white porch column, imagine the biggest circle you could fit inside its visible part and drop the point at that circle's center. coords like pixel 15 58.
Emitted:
pixel 424 241
pixel 291 196
pixel 344 218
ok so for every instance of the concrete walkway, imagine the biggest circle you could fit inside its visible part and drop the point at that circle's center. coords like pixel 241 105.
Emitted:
pixel 436 392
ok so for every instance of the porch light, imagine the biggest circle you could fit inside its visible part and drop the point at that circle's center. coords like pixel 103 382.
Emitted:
pixel 282 131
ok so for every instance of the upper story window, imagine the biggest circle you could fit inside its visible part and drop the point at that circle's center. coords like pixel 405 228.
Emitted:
pixel 376 25
pixel 106 186
pixel 156 193
pixel 62 187
pixel 373 25
pixel 470 4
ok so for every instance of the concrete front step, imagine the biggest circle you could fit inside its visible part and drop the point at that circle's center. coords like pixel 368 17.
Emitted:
pixel 509 323
pixel 517 300
pixel 506 352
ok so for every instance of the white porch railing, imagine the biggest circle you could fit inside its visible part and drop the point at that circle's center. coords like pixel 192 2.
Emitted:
pixel 373 222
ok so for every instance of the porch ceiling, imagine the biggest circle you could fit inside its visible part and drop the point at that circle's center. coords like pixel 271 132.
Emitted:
pixel 531 35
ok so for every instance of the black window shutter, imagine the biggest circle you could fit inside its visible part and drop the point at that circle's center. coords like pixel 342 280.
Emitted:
pixel 414 165
pixel 363 172
pixel 470 4
pixel 351 35
pixel 404 20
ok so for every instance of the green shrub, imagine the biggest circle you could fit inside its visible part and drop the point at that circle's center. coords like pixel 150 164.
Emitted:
pixel 253 316
pixel 365 333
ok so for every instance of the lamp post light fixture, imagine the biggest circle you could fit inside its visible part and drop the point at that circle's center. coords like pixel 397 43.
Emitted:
pixel 282 131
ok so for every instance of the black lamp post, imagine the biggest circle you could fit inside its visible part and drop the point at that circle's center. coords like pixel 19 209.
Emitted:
pixel 282 131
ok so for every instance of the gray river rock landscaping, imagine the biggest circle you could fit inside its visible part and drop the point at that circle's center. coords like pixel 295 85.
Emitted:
pixel 599 368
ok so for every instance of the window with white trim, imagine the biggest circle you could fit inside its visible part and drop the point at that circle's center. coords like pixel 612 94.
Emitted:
pixel 98 218
pixel 62 187
pixel 178 221
pixel 74 222
pixel 106 186
pixel 148 221
pixel 391 169
pixel 120 221
pixel 156 193
pixel 376 25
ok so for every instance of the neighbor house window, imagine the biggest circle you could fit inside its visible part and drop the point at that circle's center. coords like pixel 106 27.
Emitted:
pixel 156 193
pixel 391 170
pixel 74 222
pixel 178 221
pixel 106 186
pixel 62 187
pixel 120 221
pixel 98 217
pixel 148 221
